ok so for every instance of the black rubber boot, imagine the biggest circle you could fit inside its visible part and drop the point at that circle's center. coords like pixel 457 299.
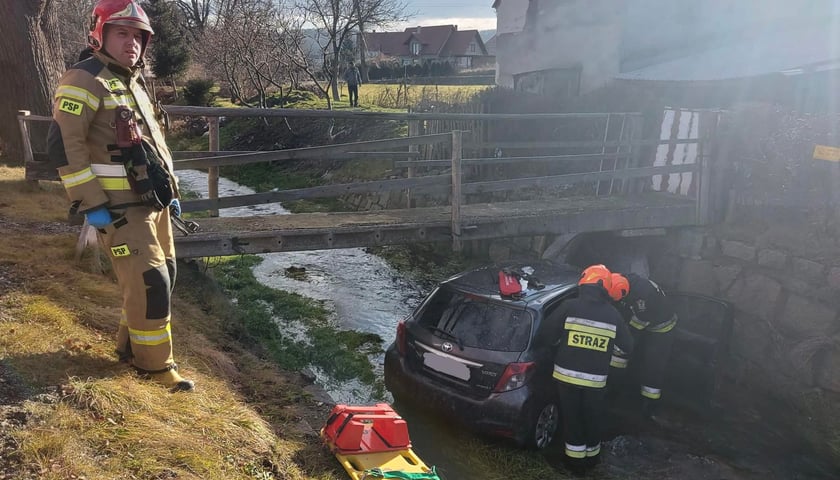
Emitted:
pixel 173 381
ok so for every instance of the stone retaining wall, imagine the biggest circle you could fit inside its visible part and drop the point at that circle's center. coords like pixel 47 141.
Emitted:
pixel 787 328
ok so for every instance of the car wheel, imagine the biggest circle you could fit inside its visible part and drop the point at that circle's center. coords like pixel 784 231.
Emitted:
pixel 544 426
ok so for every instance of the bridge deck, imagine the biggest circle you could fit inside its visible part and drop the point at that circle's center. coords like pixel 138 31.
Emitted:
pixel 316 231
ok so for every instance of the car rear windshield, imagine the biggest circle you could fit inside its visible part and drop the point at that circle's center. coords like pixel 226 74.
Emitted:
pixel 475 322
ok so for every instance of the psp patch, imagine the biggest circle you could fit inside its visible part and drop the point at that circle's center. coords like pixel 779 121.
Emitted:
pixel 120 251
pixel 70 106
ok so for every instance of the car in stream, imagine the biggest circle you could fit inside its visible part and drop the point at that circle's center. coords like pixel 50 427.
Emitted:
pixel 486 360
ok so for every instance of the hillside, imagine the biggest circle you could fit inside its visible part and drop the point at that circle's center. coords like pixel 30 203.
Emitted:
pixel 69 410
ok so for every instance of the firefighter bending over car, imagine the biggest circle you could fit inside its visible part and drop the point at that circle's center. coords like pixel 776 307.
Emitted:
pixel 589 328
pixel 649 311
pixel 117 170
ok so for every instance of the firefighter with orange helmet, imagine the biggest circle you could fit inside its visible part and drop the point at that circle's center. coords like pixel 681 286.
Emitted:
pixel 649 311
pixel 117 171
pixel 619 287
pixel 589 327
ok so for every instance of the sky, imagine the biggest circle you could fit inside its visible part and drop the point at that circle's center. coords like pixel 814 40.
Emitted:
pixel 467 14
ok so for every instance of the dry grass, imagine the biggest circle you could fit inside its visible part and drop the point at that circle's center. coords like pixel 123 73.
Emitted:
pixel 92 417
pixel 402 96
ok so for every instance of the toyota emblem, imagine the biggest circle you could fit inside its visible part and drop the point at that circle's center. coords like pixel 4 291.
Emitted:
pixel 446 347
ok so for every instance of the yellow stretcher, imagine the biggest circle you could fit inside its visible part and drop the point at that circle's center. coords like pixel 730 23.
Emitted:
pixel 372 442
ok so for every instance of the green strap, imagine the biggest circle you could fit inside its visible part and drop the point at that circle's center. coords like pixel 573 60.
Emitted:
pixel 379 473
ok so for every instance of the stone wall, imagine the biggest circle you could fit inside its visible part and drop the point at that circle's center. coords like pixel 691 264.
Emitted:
pixel 787 330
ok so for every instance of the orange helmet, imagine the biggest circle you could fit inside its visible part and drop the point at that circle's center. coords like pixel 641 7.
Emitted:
pixel 118 12
pixel 619 286
pixel 595 275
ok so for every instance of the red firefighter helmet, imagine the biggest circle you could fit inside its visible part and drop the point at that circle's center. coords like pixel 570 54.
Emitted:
pixel 595 275
pixel 619 287
pixel 118 12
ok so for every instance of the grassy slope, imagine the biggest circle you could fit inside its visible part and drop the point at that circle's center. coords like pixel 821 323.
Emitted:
pixel 98 420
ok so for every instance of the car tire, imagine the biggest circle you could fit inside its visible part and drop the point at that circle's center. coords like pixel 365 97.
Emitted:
pixel 544 425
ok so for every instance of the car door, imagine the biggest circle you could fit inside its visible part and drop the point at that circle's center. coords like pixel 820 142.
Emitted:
pixel 700 353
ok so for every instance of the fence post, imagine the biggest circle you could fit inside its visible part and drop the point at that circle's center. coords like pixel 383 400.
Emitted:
pixel 27 141
pixel 413 131
pixel 456 190
pixel 213 172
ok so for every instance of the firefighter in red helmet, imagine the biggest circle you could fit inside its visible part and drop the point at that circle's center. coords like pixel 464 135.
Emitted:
pixel 589 327
pixel 117 171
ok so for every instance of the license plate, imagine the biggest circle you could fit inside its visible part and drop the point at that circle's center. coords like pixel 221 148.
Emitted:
pixel 446 365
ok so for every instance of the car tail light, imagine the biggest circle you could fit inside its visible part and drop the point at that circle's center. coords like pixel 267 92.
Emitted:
pixel 514 376
pixel 402 347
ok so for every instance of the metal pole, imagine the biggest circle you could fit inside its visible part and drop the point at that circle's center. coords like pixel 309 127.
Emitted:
pixel 603 151
pixel 456 191
pixel 618 151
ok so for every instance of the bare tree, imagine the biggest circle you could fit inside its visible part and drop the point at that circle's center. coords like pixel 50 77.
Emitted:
pixel 74 27
pixel 335 21
pixel 30 59
pixel 196 13
pixel 245 48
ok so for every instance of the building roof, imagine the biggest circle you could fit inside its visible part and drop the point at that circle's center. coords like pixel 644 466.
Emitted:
pixel 785 50
pixel 437 40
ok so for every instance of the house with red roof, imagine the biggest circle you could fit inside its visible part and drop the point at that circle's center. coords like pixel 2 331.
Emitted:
pixel 438 43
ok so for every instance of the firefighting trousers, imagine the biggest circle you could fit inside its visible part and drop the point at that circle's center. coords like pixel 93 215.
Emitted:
pixel 140 245
pixel 583 410
pixel 655 357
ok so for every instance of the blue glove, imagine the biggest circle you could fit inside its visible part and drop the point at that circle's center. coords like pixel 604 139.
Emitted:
pixel 99 217
pixel 175 207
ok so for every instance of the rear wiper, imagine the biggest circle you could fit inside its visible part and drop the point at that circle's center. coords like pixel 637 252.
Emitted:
pixel 448 334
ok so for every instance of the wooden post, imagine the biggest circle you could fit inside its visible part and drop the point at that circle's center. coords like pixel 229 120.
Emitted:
pixel 213 172
pixel 456 191
pixel 413 131
pixel 27 141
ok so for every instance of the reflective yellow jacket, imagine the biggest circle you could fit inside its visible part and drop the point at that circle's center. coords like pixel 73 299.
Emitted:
pixel 82 137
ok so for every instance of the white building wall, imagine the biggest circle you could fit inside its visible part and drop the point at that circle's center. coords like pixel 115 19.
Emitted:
pixel 510 16
pixel 583 34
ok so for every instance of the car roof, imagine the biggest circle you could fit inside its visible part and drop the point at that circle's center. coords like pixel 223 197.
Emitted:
pixel 483 281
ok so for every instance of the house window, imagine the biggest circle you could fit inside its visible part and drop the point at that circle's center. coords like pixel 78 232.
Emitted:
pixel 473 48
pixel 415 48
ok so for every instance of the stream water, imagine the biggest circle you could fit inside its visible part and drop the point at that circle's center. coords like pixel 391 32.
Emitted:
pixel 363 292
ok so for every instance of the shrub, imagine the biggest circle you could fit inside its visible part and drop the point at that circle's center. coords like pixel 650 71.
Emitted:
pixel 197 92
